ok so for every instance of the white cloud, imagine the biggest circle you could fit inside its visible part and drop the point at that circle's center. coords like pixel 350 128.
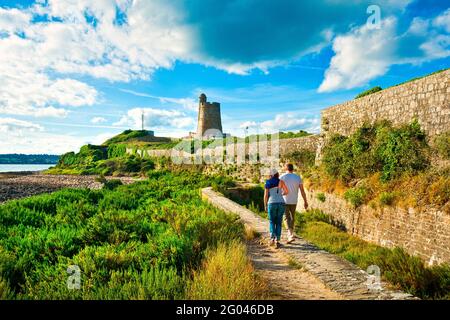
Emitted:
pixel 186 103
pixel 17 127
pixel 13 20
pixel 21 136
pixel 289 122
pixel 40 142
pixel 248 124
pixel 156 118
pixel 33 55
pixel 361 55
pixel 437 47
pixel 97 120
pixel 364 54
pixel 443 21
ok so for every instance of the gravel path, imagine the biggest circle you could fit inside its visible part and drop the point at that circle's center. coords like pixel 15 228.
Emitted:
pixel 15 186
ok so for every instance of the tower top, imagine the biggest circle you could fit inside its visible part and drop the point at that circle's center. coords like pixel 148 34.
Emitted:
pixel 202 98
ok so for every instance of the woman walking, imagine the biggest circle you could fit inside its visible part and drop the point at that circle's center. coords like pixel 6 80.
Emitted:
pixel 274 190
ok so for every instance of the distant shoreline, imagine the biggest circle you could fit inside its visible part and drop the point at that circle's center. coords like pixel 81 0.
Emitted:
pixel 23 169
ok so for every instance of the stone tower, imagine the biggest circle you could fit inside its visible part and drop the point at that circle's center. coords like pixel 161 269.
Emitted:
pixel 209 119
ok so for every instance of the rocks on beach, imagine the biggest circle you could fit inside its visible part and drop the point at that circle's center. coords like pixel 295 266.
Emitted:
pixel 15 186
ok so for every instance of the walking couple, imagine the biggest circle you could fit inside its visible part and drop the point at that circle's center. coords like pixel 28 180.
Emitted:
pixel 280 198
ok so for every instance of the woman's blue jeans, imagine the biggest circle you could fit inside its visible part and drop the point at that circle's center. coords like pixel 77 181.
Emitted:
pixel 276 212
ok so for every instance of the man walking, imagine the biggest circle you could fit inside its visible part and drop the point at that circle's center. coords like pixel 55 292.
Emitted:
pixel 294 183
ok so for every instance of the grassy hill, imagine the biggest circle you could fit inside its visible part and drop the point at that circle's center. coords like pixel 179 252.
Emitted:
pixel 111 158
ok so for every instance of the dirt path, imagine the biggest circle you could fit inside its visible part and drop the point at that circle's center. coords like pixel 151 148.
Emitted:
pixel 337 275
pixel 286 280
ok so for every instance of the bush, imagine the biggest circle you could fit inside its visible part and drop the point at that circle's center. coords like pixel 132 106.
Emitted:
pixel 378 148
pixel 402 150
pixel 368 92
pixel 303 158
pixel 112 184
pixel 356 196
pixel 116 150
pixel 442 144
pixel 321 197
pixel 138 241
pixel 387 198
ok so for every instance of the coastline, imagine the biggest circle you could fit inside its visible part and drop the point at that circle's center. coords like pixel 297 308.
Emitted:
pixel 16 185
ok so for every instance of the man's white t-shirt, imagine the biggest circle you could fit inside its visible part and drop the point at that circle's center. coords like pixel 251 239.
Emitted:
pixel 292 182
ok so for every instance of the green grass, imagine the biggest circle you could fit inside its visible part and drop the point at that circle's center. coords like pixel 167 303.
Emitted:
pixel 290 134
pixel 126 136
pixel 227 274
pixel 128 165
pixel 139 241
pixel 368 92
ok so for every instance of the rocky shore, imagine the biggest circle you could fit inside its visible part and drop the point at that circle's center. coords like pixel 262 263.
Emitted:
pixel 20 185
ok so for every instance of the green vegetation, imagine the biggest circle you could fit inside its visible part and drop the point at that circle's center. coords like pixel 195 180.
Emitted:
pixel 28 158
pixel 387 198
pixel 227 274
pixel 302 159
pixel 139 241
pixel 442 143
pixel 356 196
pixel 321 197
pixel 117 166
pixel 290 135
pixel 127 135
pixel 389 166
pixel 379 148
pixel 397 267
pixel 368 92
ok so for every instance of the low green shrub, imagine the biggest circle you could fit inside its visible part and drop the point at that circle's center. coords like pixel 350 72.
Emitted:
pixel 368 92
pixel 387 198
pixel 378 148
pixel 442 144
pixel 321 197
pixel 356 196
pixel 303 158
pixel 138 241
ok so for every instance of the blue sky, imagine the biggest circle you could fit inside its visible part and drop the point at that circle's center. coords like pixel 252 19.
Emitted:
pixel 76 72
